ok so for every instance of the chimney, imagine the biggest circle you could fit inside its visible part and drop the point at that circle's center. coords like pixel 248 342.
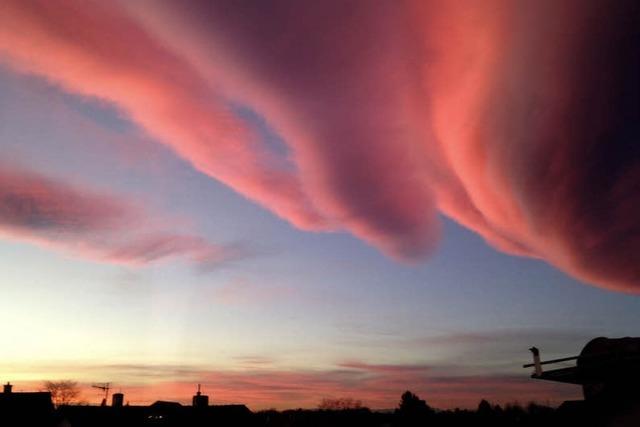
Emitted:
pixel 200 400
pixel 7 388
pixel 117 400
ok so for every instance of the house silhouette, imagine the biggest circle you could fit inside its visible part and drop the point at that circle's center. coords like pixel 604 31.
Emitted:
pixel 20 408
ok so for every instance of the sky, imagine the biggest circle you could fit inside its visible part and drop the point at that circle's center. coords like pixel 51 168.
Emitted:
pixel 288 202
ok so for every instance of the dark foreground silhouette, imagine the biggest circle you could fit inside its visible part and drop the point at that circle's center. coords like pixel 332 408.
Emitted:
pixel 607 369
pixel 36 409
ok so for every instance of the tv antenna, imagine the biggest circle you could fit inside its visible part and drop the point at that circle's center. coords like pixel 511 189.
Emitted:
pixel 104 387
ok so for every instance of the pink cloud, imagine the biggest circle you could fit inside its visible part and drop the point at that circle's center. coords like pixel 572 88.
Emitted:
pixel 474 109
pixel 517 121
pixel 32 202
pixel 342 100
pixel 90 224
pixel 98 50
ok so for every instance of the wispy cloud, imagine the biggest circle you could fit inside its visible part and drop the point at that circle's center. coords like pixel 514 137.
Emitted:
pixel 94 225
pixel 254 361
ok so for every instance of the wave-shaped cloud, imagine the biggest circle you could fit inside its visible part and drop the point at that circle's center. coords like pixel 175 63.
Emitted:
pixel 93 225
pixel 519 121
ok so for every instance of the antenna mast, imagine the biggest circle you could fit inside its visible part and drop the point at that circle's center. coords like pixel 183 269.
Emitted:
pixel 104 387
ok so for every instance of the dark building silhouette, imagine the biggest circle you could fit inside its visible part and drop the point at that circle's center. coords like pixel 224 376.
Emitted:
pixel 200 400
pixel 117 400
pixel 36 409
pixel 164 413
pixel 25 409
pixel 160 413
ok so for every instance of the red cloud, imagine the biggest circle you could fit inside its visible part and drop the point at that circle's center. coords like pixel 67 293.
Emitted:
pixel 91 225
pixel 518 121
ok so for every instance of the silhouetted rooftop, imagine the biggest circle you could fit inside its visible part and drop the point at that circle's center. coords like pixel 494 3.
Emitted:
pixel 33 408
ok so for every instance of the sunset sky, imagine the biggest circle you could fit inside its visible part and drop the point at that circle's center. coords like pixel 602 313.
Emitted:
pixel 289 201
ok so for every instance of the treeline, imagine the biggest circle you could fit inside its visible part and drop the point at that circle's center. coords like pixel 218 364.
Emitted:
pixel 413 411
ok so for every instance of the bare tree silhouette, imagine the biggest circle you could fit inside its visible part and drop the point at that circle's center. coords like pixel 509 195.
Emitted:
pixel 63 392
